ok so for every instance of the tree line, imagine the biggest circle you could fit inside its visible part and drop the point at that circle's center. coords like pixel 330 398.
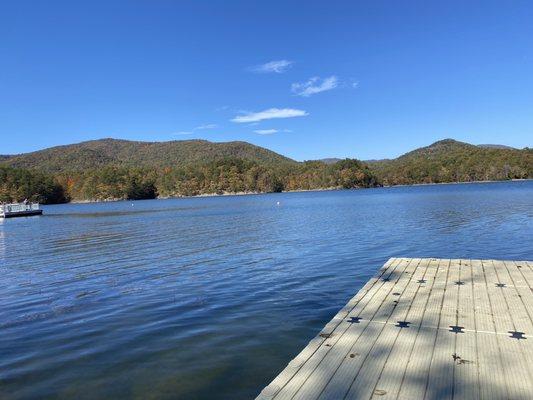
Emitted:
pixel 455 163
pixel 230 175
pixel 20 184
pixel 445 161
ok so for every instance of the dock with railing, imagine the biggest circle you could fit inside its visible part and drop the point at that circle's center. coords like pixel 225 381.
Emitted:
pixel 423 329
pixel 19 210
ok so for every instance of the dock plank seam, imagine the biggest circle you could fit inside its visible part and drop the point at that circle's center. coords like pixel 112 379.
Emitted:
pixel 401 330
pixel 377 337
pixel 438 324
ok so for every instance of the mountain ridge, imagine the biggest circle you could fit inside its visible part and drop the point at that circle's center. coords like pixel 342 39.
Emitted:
pixel 119 169
pixel 111 150
pixel 108 151
pixel 449 160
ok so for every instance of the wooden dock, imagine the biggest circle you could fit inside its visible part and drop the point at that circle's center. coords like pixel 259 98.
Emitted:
pixel 423 329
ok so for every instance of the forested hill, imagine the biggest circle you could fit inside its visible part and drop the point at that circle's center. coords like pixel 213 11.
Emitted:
pixel 106 152
pixel 112 169
pixel 452 161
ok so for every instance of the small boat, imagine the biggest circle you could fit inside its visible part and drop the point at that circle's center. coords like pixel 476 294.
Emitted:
pixel 19 210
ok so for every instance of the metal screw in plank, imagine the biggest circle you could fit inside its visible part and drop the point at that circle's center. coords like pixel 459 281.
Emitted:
pixel 517 335
pixel 456 329
pixel 402 324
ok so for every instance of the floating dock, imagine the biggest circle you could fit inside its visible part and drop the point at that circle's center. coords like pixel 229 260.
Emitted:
pixel 423 329
pixel 19 210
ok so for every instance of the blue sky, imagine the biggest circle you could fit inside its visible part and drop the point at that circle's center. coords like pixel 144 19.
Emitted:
pixel 308 79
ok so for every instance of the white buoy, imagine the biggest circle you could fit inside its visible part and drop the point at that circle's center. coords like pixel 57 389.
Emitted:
pixel 278 203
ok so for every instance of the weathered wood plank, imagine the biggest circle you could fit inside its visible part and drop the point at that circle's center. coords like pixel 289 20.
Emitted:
pixel 440 377
pixel 392 374
pixel 526 268
pixel 425 329
pixel 466 371
pixel 341 361
pixel 414 379
pixel 355 304
pixel 348 371
pixel 366 382
pixel 515 368
pixel 490 365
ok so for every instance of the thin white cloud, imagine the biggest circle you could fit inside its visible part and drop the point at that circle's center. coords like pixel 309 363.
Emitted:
pixel 206 126
pixel 266 131
pixel 271 113
pixel 270 131
pixel 278 67
pixel 198 128
pixel 314 86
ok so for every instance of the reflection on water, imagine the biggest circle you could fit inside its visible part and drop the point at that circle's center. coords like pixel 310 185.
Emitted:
pixel 211 297
pixel 2 241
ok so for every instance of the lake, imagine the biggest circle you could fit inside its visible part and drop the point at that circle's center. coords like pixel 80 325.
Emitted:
pixel 210 298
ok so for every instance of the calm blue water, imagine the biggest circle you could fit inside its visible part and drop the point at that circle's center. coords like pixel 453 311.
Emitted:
pixel 209 298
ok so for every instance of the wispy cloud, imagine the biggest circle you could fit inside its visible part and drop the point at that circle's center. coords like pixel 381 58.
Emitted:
pixel 266 131
pixel 198 128
pixel 271 113
pixel 314 85
pixel 270 131
pixel 278 67
pixel 206 126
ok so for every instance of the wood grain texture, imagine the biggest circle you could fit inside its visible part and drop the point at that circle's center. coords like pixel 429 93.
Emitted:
pixel 423 329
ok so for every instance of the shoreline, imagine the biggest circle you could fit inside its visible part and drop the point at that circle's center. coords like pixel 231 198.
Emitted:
pixel 457 183
pixel 291 191
pixel 211 195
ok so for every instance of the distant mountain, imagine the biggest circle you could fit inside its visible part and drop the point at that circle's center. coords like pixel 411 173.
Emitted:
pixel 376 161
pixel 104 152
pixel 111 169
pixel 453 161
pixel 329 161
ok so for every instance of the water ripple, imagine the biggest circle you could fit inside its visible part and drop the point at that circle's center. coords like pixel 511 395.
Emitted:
pixel 211 297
